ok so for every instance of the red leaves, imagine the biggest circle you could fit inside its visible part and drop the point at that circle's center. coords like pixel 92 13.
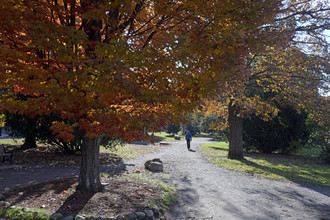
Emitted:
pixel 118 75
pixel 63 131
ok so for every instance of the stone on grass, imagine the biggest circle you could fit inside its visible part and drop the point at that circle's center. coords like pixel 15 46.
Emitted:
pixel 131 216
pixel 101 218
pixel 154 165
pixel 149 213
pixel 120 217
pixel 35 213
pixel 25 209
pixel 69 217
pixel 56 216
pixel 140 215
pixel 156 211
pixel 4 204
pixel 78 217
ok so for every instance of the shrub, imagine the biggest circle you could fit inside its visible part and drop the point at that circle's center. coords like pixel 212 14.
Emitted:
pixel 283 134
pixel 325 155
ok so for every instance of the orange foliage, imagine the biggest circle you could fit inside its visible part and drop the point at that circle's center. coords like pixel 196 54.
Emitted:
pixel 121 66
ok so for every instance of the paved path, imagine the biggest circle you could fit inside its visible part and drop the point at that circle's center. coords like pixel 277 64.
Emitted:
pixel 209 192
pixel 206 191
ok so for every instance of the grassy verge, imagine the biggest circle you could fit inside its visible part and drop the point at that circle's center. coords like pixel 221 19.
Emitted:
pixel 163 136
pixel 130 151
pixel 20 213
pixel 18 141
pixel 279 167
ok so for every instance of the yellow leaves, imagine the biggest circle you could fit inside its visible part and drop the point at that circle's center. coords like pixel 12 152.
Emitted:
pixel 2 120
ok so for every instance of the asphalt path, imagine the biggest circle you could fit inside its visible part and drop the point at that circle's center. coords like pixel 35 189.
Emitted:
pixel 205 191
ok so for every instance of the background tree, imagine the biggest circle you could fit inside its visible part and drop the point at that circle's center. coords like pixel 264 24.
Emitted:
pixel 286 78
pixel 210 123
pixel 116 67
pixel 21 126
pixel 284 134
pixel 172 128
pixel 294 76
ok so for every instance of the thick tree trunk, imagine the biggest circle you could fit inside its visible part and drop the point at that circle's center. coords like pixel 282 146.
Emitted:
pixel 235 133
pixel 30 134
pixel 29 142
pixel 89 178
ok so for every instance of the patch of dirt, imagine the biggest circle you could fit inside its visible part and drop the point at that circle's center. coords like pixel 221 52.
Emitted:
pixel 120 196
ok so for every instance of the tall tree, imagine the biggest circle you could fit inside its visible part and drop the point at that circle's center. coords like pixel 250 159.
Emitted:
pixel 294 69
pixel 116 67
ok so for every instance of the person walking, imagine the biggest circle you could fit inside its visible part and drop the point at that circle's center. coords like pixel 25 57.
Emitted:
pixel 188 139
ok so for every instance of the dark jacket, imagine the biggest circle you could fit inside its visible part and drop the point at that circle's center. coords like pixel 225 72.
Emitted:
pixel 188 136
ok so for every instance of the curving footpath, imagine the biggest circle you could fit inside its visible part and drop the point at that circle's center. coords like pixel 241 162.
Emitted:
pixel 205 191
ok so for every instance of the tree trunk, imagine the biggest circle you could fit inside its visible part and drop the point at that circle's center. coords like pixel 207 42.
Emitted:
pixel 29 142
pixel 30 134
pixel 235 133
pixel 89 178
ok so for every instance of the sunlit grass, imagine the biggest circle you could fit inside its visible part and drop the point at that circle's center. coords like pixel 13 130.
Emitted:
pixel 8 141
pixel 130 151
pixel 292 168
pixel 163 136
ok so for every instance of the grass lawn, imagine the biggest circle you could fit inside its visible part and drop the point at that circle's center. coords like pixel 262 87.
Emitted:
pixel 163 136
pixel 274 166
pixel 19 141
pixel 130 151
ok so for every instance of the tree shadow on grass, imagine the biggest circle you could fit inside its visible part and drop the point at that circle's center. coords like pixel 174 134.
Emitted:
pixel 294 168
pixel 219 148
pixel 290 174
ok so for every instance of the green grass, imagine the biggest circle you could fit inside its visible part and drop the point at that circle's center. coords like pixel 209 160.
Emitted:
pixel 309 151
pixel 163 136
pixel 130 151
pixel 279 167
pixel 18 214
pixel 18 141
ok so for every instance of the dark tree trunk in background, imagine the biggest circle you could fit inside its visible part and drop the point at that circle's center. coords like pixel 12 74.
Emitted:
pixel 89 178
pixel 30 134
pixel 235 133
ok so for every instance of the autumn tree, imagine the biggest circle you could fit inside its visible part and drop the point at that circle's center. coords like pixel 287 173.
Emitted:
pixel 117 67
pixel 292 75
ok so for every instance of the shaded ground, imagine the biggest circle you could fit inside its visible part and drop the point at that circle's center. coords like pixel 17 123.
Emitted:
pixel 32 184
pixel 121 195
